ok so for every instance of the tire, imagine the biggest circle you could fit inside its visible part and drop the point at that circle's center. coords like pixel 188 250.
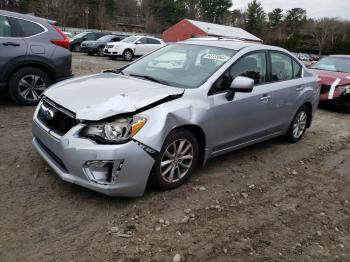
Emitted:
pixel 298 126
pixel 171 169
pixel 27 85
pixel 76 48
pixel 128 55
pixel 100 51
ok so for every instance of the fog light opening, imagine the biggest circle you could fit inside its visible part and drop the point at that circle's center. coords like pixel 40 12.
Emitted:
pixel 103 172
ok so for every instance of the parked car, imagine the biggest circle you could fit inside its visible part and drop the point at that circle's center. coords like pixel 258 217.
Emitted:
pixel 154 120
pixel 133 46
pixel 334 74
pixel 84 36
pixel 304 57
pixel 69 35
pixel 33 55
pixel 96 47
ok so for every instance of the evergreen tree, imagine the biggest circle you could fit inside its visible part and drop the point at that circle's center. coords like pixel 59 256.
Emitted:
pixel 214 11
pixel 275 17
pixel 255 18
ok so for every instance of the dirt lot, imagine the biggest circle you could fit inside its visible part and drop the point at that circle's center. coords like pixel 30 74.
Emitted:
pixel 269 202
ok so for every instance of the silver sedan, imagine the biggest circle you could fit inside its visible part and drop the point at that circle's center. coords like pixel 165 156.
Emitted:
pixel 157 118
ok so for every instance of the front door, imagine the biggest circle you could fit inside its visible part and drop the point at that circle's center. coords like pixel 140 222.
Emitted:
pixel 248 116
pixel 12 47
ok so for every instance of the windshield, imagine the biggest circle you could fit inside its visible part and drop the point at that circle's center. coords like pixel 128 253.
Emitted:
pixel 105 38
pixel 181 65
pixel 80 35
pixel 130 39
pixel 331 63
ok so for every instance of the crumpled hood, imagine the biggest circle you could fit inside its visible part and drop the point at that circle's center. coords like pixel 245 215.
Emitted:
pixel 329 77
pixel 103 95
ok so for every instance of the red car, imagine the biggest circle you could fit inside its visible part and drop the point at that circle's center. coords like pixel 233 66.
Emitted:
pixel 334 76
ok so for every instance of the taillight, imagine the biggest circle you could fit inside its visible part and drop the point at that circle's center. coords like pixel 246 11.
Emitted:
pixel 61 42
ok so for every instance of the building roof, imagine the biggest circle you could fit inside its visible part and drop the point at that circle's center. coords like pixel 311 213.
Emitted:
pixel 225 31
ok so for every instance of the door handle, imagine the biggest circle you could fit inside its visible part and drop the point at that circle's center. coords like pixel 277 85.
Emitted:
pixel 265 99
pixel 11 43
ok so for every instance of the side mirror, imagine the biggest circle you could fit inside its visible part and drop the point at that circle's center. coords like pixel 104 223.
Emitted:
pixel 240 84
pixel 138 43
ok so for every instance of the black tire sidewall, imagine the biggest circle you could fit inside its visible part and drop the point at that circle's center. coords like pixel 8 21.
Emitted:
pixel 156 180
pixel 17 76
pixel 100 51
pixel 289 135
pixel 77 48
pixel 124 55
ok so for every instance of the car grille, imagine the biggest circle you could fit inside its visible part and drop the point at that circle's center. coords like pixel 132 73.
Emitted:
pixel 325 89
pixel 56 118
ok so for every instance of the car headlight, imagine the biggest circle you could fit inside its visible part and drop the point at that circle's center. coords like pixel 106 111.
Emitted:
pixel 116 132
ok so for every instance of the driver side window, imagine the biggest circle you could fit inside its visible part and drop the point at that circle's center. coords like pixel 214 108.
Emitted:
pixel 252 65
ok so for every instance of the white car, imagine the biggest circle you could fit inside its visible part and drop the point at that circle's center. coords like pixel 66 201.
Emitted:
pixel 132 46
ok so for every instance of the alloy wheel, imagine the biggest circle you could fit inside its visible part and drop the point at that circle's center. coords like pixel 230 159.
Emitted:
pixel 128 55
pixel 176 160
pixel 100 51
pixel 299 124
pixel 31 87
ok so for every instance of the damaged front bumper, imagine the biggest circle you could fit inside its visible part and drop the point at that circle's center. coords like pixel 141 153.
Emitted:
pixel 114 170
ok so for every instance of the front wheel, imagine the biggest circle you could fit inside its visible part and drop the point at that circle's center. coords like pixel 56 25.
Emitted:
pixel 298 126
pixel 77 48
pixel 128 55
pixel 176 161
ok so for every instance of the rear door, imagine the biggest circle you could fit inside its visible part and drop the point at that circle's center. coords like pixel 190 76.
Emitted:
pixel 286 86
pixel 153 44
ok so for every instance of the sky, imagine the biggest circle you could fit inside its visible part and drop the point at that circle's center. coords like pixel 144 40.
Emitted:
pixel 315 8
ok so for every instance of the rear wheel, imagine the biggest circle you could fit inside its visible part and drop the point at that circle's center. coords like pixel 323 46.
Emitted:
pixel 176 161
pixel 27 85
pixel 100 51
pixel 298 126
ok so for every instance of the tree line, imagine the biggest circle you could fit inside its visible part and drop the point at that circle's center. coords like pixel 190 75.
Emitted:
pixel 291 29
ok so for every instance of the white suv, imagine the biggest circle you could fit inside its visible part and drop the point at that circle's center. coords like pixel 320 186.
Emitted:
pixel 133 46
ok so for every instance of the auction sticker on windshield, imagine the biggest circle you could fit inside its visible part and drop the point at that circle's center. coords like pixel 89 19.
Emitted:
pixel 217 57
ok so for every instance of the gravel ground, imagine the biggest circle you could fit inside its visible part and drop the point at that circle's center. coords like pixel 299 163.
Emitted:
pixel 270 202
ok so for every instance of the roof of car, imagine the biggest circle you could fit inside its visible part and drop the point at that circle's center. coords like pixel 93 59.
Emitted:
pixel 342 56
pixel 27 17
pixel 226 43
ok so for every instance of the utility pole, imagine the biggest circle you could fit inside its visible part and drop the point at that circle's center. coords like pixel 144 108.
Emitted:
pixel 87 16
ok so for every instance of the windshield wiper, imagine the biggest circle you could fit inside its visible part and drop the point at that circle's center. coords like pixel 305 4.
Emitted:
pixel 151 79
pixel 115 71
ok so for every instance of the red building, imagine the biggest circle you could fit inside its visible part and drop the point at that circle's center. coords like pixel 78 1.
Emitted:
pixel 189 28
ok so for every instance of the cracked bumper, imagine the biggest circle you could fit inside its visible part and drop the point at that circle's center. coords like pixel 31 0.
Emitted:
pixel 68 155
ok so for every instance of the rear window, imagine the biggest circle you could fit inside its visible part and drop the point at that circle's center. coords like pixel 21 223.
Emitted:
pixel 153 41
pixel 29 28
